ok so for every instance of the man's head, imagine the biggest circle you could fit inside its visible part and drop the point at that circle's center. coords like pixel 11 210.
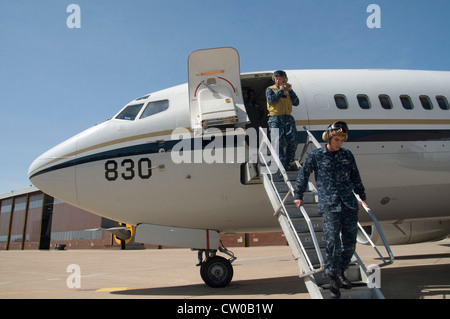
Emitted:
pixel 336 134
pixel 279 77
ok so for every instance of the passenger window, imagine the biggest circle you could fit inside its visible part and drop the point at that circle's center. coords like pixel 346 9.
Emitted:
pixel 341 101
pixel 385 101
pixel 155 107
pixel 406 102
pixel 426 102
pixel 130 112
pixel 443 103
pixel 363 101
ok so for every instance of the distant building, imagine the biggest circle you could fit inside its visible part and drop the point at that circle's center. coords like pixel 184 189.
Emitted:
pixel 31 219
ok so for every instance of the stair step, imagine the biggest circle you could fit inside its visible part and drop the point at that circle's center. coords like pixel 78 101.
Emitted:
pixel 292 176
pixel 308 242
pixel 294 212
pixel 313 257
pixel 308 198
pixel 358 291
pixel 301 226
pixel 282 187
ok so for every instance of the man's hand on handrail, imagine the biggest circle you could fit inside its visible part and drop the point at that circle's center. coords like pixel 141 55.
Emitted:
pixel 298 203
pixel 364 204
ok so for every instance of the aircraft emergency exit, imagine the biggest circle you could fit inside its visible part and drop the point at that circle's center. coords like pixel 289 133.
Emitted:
pixel 180 165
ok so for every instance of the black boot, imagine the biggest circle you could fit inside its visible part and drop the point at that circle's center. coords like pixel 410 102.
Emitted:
pixel 345 283
pixel 334 287
pixel 291 166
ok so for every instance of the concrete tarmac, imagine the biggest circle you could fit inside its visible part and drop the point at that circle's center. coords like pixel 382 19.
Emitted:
pixel 420 271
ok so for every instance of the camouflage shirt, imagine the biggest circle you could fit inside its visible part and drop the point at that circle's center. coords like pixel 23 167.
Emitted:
pixel 336 176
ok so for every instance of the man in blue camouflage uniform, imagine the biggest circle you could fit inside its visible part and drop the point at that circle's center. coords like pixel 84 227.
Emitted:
pixel 280 99
pixel 337 176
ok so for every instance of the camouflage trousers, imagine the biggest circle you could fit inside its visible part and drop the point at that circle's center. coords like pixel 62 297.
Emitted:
pixel 340 230
pixel 282 130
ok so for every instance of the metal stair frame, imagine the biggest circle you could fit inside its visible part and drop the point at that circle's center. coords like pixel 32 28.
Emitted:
pixel 307 269
pixel 278 203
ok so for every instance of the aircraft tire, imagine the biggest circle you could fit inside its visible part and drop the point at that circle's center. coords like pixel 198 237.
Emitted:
pixel 216 272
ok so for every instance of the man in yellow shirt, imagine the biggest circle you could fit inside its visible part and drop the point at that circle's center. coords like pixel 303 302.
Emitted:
pixel 280 99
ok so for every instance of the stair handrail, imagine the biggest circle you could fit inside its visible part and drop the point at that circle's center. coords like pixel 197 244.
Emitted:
pixel 312 139
pixel 380 232
pixel 274 154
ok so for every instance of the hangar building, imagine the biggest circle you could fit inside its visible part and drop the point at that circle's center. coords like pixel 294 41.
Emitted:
pixel 31 219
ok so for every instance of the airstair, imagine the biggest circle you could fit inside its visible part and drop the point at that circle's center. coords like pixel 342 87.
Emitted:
pixel 303 228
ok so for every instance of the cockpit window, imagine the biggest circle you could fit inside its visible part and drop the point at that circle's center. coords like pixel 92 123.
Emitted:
pixel 130 112
pixel 155 107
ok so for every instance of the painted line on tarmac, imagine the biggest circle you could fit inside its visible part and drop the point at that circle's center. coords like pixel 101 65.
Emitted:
pixel 111 289
pixel 106 289
pixel 32 292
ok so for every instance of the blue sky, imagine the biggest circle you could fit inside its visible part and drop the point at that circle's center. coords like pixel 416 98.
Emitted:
pixel 56 82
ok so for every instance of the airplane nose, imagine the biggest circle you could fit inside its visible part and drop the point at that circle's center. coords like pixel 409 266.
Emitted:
pixel 54 171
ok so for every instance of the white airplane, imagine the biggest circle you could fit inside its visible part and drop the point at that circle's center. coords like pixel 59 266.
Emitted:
pixel 150 165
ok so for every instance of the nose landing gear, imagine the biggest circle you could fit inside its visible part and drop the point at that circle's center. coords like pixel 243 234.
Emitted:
pixel 217 271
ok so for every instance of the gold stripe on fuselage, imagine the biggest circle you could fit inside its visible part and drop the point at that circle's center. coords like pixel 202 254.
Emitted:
pixel 377 122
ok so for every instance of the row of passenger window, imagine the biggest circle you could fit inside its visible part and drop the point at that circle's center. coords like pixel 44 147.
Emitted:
pixel 131 111
pixel 386 102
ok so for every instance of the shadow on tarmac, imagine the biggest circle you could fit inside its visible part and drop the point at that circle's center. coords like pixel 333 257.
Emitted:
pixel 261 288
pixel 416 282
pixel 413 282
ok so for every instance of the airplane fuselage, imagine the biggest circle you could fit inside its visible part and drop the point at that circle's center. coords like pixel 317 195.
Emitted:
pixel 123 169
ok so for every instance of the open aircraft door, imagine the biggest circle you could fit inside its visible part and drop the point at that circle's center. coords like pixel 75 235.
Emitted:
pixel 215 94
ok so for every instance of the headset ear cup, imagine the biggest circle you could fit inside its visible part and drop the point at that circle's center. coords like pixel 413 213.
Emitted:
pixel 325 136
